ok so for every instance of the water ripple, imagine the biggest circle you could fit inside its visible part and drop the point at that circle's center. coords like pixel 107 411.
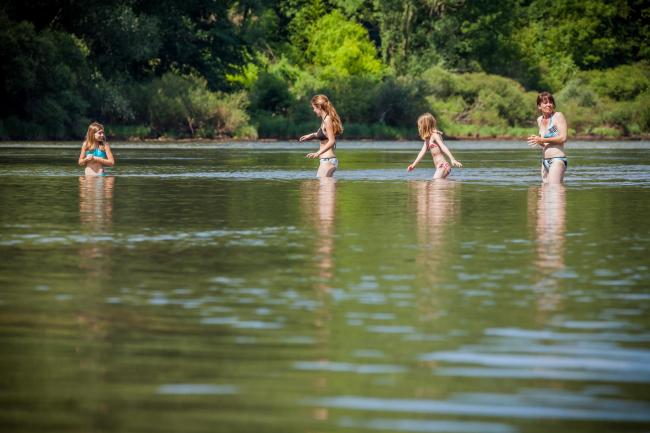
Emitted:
pixel 416 425
pixel 498 405
pixel 348 367
pixel 196 389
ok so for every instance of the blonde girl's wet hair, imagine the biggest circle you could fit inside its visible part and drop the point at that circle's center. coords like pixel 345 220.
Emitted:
pixel 427 126
pixel 91 143
pixel 322 102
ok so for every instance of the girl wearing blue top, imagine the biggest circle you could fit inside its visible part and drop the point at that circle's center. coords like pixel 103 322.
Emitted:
pixel 552 136
pixel 96 152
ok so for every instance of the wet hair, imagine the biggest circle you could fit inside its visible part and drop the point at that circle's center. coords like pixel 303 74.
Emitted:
pixel 90 142
pixel 427 126
pixel 545 97
pixel 322 102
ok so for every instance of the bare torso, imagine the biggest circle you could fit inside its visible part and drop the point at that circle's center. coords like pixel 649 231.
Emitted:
pixel 329 153
pixel 94 168
pixel 436 153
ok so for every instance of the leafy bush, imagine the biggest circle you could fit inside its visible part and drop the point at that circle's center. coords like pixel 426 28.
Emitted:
pixel 479 99
pixel 642 111
pixel 578 117
pixel 605 131
pixel 399 101
pixel 270 93
pixel 577 90
pixel 184 103
pixel 623 83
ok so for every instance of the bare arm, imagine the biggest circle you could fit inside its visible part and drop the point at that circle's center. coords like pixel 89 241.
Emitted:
pixel 83 159
pixel 308 137
pixel 109 161
pixel 423 151
pixel 446 151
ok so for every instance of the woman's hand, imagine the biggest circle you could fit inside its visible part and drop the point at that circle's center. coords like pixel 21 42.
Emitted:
pixel 411 167
pixel 312 155
pixel 535 140
pixel 456 163
pixel 306 137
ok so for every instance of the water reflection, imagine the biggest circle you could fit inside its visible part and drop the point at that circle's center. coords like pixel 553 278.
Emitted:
pixel 435 202
pixel 96 218
pixel 436 207
pixel 319 206
pixel 547 212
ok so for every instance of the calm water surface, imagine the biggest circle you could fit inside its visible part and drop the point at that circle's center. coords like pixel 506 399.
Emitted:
pixel 222 288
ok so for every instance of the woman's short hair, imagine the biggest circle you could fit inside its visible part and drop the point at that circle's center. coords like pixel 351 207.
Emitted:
pixel 545 97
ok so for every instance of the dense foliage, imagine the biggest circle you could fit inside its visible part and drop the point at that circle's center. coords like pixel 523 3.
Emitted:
pixel 247 68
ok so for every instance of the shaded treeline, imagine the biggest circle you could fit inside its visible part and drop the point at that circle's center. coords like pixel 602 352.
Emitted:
pixel 201 68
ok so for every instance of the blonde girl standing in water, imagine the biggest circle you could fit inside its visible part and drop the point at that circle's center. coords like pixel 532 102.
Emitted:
pixel 330 127
pixel 96 152
pixel 433 142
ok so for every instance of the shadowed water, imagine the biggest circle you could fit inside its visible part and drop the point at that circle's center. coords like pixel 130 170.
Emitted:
pixel 206 287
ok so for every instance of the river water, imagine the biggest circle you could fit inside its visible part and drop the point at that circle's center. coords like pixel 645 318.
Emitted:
pixel 222 288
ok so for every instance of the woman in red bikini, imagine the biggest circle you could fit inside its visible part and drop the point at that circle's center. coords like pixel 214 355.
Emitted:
pixel 433 142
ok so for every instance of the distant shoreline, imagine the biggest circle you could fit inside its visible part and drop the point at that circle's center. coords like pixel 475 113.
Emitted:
pixel 180 142
pixel 450 138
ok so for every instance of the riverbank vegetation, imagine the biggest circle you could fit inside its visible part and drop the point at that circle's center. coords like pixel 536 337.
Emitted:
pixel 247 69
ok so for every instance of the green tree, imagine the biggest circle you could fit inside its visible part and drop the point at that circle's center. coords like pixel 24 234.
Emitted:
pixel 44 82
pixel 562 37
pixel 338 47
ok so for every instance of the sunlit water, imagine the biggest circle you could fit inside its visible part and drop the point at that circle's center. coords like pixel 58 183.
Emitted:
pixel 221 287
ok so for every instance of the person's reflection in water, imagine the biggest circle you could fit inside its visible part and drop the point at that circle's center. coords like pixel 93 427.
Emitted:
pixel 436 210
pixel 96 203
pixel 94 321
pixel 319 206
pixel 96 218
pixel 547 205
pixel 320 200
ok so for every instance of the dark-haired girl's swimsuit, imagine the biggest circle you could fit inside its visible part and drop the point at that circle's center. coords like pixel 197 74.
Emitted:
pixel 552 132
pixel 320 135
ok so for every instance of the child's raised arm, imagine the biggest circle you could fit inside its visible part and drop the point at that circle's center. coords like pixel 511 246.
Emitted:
pixel 423 151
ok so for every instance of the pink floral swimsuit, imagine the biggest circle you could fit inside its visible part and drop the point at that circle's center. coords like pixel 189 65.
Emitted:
pixel 443 165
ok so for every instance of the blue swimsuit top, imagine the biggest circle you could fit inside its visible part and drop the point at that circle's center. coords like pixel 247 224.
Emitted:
pixel 97 152
pixel 552 129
